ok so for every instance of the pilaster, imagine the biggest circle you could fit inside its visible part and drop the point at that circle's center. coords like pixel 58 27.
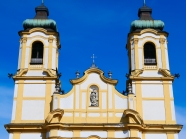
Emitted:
pixel 50 40
pixel 136 53
pixel 23 47
pixel 162 45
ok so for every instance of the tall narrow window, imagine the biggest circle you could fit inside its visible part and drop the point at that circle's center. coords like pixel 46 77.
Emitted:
pixel 149 54
pixel 37 53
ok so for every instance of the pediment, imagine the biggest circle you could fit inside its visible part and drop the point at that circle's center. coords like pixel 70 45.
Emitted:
pixel 94 72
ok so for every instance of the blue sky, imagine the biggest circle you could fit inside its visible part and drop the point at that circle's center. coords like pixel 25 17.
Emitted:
pixel 89 27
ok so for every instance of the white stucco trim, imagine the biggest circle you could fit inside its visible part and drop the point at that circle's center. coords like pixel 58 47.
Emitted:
pixel 153 110
pixel 175 136
pixel 30 136
pixel 66 114
pixel 159 58
pixel 76 114
pixel 151 82
pixel 110 96
pixel 149 35
pixel 94 114
pixel 120 103
pixel 173 111
pixel 83 115
pixel 77 96
pixel 27 57
pixel 104 114
pixel 85 134
pixel 37 33
pixel 36 73
pixel 110 114
pixel 33 110
pixel 140 135
pixel 132 60
pixel 53 58
pixel 151 74
pixel 131 103
pixel 55 102
pixel 167 59
pixel 133 87
pixel 121 134
pixel 67 102
pixel 46 58
pixel 15 90
pixel 152 90
pixel 84 100
pixel 104 101
pixel 155 136
pixel 10 136
pixel 14 109
pixel 92 79
pixel 20 57
pixel 171 91
pixel 34 90
pixel 53 89
pixel 65 133
pixel 119 114
pixel 140 57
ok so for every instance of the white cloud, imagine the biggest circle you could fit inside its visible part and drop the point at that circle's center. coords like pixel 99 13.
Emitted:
pixel 180 116
pixel 6 100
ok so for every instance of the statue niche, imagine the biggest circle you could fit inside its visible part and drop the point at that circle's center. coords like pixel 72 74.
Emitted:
pixel 94 99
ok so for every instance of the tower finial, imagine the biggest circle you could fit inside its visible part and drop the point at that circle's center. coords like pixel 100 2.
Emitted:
pixel 42 1
pixel 93 61
pixel 144 3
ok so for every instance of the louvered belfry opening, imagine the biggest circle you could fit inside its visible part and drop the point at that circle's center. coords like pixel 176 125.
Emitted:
pixel 149 54
pixel 37 53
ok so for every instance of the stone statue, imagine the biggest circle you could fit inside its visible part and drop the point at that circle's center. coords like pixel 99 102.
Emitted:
pixel 94 98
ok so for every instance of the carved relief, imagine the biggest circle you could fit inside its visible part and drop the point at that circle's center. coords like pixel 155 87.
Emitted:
pixel 162 40
pixel 50 40
pixel 94 99
pixel 136 41
pixel 165 73
pixel 54 116
pixel 23 40
pixel 136 73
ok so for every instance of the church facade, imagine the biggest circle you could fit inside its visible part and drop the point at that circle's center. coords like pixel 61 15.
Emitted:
pixel 93 109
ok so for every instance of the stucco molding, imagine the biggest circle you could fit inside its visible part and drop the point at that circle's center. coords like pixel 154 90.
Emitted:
pixel 135 115
pixel 54 116
pixel 136 73
pixel 165 73
pixel 94 70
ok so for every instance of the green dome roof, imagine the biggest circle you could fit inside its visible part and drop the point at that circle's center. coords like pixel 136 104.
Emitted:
pixel 143 24
pixel 43 23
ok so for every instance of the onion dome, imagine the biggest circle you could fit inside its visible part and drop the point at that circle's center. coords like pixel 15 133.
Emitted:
pixel 40 20
pixel 146 21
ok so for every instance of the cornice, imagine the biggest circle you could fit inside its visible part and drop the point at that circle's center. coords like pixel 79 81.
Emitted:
pixel 94 70
pixel 134 119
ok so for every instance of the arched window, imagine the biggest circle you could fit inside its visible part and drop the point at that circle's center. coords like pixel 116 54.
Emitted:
pixel 149 54
pixel 37 53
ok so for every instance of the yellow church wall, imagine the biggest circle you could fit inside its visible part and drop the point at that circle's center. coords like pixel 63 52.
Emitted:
pixel 82 112
pixel 116 116
pixel 21 99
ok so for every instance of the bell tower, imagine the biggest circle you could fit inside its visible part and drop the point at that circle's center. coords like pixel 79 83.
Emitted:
pixel 39 42
pixel 149 71
pixel 36 76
